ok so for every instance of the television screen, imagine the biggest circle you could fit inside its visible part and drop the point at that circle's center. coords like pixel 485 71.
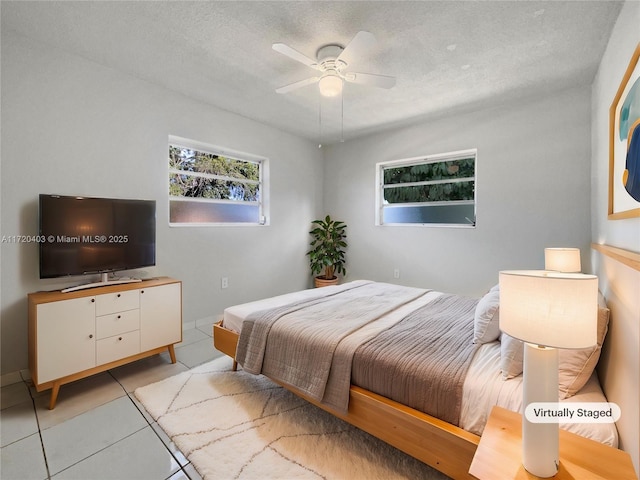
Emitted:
pixel 82 235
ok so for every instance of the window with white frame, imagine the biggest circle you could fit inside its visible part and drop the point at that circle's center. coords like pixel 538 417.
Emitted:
pixel 210 185
pixel 432 190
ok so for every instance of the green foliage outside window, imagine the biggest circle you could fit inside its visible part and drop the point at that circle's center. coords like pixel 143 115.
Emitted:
pixel 432 182
pixel 211 176
pixel 444 192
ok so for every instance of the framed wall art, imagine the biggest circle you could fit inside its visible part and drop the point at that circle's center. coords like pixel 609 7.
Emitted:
pixel 624 145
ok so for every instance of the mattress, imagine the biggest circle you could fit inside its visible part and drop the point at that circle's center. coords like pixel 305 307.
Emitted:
pixel 483 387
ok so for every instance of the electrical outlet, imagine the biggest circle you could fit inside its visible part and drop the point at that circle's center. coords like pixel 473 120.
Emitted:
pixel 224 282
pixel 396 273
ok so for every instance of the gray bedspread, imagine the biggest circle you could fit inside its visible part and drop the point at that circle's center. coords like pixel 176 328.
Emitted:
pixel 311 345
pixel 422 361
pixel 252 342
pixel 295 344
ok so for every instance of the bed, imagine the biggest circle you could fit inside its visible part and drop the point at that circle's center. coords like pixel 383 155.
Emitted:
pixel 363 349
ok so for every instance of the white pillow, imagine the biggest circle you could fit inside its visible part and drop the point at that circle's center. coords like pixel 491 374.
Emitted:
pixel 486 322
pixel 576 366
pixel 511 356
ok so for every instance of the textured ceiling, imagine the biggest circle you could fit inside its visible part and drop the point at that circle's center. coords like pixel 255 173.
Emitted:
pixel 446 55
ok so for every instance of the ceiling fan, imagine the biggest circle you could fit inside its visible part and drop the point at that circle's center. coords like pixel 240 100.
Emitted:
pixel 332 61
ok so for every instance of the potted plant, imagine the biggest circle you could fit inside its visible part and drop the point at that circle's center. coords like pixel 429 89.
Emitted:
pixel 327 250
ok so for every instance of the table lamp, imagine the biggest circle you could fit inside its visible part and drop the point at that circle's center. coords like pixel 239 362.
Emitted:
pixel 562 259
pixel 546 310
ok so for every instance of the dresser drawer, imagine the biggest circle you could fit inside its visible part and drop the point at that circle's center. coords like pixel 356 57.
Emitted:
pixel 117 347
pixel 117 302
pixel 115 323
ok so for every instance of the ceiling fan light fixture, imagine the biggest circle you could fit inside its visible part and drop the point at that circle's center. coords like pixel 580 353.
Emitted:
pixel 330 85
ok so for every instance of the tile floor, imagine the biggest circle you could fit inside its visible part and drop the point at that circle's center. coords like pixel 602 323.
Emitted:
pixel 98 430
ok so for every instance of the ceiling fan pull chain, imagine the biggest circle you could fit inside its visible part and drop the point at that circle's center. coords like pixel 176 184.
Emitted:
pixel 320 121
pixel 342 116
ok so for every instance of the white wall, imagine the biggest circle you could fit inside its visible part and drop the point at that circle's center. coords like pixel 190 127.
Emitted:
pixel 533 191
pixel 70 126
pixel 619 367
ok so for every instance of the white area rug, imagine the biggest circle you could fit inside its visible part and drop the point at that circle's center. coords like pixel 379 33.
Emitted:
pixel 236 425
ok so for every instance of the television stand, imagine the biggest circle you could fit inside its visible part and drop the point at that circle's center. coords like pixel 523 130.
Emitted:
pixel 75 335
pixel 100 284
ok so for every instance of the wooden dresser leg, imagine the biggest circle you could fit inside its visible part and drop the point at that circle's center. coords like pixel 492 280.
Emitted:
pixel 235 365
pixel 172 353
pixel 54 395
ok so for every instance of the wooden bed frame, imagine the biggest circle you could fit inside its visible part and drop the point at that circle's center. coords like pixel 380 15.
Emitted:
pixel 443 446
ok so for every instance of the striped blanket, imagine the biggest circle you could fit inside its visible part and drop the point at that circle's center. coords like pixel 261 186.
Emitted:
pixel 312 344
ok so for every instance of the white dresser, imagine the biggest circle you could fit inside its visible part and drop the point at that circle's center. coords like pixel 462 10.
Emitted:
pixel 76 334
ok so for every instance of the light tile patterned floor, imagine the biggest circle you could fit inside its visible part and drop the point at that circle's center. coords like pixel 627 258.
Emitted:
pixel 98 430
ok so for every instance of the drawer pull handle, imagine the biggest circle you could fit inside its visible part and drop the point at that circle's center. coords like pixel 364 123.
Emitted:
pixel 119 338
pixel 141 291
pixel 118 295
pixel 90 335
pixel 119 317
pixel 93 300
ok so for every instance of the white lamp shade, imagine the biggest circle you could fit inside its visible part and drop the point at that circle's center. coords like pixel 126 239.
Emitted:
pixel 562 259
pixel 330 85
pixel 552 309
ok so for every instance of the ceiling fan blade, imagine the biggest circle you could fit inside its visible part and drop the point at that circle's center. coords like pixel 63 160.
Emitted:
pixel 371 79
pixel 295 55
pixel 296 85
pixel 358 45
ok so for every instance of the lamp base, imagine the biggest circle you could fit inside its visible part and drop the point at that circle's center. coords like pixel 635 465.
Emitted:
pixel 540 441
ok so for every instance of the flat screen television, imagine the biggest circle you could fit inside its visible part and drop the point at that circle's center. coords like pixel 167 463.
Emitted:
pixel 84 235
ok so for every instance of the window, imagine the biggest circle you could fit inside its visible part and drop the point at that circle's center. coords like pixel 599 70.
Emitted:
pixel 209 185
pixel 433 190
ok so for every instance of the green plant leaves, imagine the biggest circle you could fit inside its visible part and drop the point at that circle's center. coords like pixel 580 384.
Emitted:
pixel 327 247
